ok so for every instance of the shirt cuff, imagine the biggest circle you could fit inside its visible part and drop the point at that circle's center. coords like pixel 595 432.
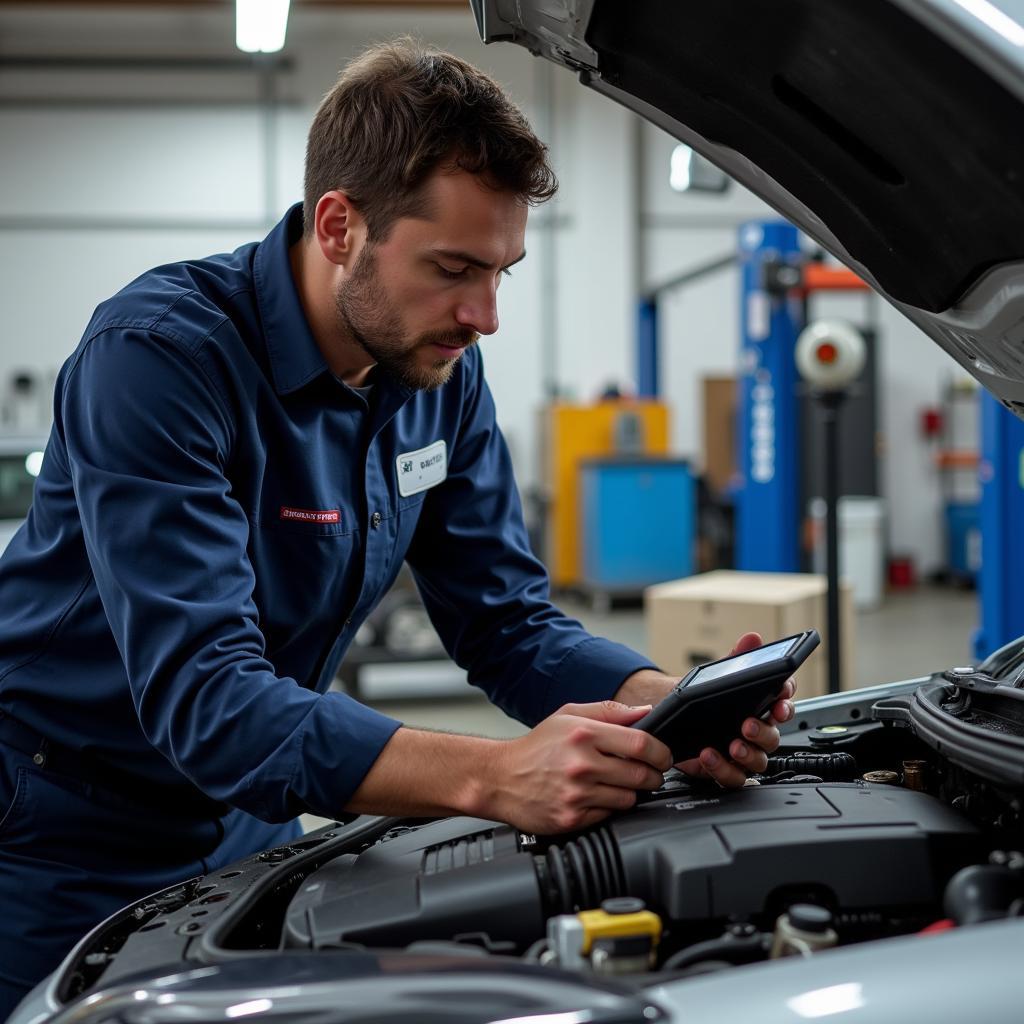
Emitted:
pixel 341 739
pixel 593 670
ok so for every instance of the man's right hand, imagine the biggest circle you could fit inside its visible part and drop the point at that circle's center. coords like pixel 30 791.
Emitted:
pixel 575 768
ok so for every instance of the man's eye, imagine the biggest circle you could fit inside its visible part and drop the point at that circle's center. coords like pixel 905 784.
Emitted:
pixel 451 275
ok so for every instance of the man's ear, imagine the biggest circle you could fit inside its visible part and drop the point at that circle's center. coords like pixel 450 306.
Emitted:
pixel 338 226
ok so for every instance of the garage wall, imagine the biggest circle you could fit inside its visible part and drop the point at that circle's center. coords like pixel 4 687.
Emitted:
pixel 104 173
pixel 107 172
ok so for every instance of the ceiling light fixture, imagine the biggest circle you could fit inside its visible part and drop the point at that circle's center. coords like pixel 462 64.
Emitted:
pixel 260 25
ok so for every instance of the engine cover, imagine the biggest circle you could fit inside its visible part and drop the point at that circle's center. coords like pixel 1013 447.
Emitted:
pixel 693 856
pixel 860 846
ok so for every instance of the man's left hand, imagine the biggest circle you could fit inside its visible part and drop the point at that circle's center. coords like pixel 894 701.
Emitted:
pixel 748 753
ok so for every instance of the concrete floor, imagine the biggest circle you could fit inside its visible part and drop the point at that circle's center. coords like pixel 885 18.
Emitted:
pixel 914 632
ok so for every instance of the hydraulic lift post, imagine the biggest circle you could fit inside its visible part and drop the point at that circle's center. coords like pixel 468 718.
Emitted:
pixel 1001 584
pixel 771 315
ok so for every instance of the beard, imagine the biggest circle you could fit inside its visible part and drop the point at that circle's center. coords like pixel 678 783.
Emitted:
pixel 365 314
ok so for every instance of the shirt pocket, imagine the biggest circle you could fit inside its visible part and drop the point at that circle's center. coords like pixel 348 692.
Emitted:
pixel 306 576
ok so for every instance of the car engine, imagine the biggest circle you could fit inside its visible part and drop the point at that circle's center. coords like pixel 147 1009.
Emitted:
pixel 889 811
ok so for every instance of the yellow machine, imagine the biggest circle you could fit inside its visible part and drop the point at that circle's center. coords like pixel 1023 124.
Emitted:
pixel 571 433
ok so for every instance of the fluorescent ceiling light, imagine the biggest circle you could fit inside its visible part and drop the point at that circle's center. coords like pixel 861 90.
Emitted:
pixel 690 172
pixel 679 170
pixel 260 25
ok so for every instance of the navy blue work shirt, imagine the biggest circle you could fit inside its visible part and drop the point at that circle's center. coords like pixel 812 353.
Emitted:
pixel 215 516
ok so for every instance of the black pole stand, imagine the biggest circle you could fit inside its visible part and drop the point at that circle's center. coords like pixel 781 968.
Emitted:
pixel 830 402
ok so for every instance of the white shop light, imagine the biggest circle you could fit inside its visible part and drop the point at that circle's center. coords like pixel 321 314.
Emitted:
pixel 260 25
pixel 690 172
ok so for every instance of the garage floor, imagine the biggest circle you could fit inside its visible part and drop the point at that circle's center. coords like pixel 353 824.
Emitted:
pixel 913 633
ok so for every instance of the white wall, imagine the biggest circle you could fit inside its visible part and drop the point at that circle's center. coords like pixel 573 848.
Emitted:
pixel 105 173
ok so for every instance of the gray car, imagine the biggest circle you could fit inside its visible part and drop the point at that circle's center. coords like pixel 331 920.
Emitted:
pixel 874 872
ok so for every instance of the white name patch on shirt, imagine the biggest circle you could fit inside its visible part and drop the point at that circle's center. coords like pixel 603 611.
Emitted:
pixel 422 469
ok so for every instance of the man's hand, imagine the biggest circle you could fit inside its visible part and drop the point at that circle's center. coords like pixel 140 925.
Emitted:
pixel 576 767
pixel 573 770
pixel 749 752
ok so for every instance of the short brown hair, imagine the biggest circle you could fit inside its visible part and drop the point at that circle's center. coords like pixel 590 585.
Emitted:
pixel 399 111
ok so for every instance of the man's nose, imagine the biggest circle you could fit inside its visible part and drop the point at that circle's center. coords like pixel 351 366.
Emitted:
pixel 479 310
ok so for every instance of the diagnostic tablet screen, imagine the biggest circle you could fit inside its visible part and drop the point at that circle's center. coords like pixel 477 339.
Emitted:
pixel 761 656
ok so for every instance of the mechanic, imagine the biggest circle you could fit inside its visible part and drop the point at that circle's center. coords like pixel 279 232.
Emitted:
pixel 244 450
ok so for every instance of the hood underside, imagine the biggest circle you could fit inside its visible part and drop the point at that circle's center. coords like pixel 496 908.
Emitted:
pixel 888 131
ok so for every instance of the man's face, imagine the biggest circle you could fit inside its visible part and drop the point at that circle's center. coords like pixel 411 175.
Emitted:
pixel 415 301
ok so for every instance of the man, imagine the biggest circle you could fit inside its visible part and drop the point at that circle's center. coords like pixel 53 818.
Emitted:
pixel 244 450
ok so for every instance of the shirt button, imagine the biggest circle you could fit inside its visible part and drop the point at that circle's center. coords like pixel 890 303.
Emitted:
pixel 375 520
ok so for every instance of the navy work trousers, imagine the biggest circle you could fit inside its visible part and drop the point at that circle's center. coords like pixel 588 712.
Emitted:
pixel 73 852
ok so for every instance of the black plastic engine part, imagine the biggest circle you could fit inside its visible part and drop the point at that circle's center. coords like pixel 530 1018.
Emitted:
pixel 580 872
pixel 739 944
pixel 978 725
pixel 455 876
pixel 983 892
pixel 835 766
pixel 745 854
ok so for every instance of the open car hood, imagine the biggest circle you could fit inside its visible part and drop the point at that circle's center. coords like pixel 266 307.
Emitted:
pixel 887 130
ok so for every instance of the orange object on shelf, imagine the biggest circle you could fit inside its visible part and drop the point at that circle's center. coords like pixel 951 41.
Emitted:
pixel 949 458
pixel 818 278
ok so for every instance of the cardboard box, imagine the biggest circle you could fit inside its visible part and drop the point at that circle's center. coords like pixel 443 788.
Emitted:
pixel 718 449
pixel 698 619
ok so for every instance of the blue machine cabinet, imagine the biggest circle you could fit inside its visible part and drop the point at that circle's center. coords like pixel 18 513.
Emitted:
pixel 1002 537
pixel 637 522
pixel 767 502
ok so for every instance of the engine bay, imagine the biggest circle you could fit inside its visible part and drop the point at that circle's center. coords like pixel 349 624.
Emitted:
pixel 880 815
pixel 869 852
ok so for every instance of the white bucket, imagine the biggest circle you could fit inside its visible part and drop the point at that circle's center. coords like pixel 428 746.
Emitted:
pixel 861 546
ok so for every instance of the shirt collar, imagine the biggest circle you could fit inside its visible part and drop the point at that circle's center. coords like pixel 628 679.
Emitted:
pixel 295 357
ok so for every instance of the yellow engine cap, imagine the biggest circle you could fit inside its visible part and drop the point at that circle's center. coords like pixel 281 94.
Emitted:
pixel 599 924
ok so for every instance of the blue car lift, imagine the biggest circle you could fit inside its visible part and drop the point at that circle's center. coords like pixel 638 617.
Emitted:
pixel 1000 581
pixel 771 316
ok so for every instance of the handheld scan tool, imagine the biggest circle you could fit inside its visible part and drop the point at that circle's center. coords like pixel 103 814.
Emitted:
pixel 709 704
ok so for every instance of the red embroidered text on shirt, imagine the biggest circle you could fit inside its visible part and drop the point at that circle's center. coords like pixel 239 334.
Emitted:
pixel 306 515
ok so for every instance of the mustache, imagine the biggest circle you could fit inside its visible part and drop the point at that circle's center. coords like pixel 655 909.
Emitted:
pixel 456 339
